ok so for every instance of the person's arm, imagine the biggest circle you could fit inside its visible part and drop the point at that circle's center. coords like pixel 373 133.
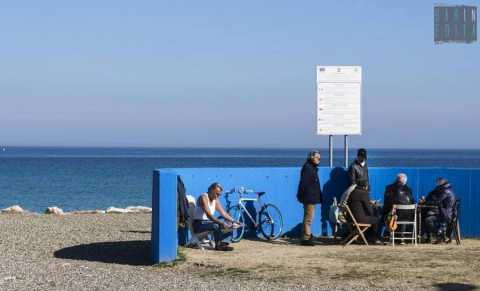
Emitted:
pixel 219 208
pixel 410 194
pixel 352 175
pixel 387 202
pixel 204 205
pixel 447 206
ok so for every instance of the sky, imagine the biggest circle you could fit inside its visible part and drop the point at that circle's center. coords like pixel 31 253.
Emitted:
pixel 228 73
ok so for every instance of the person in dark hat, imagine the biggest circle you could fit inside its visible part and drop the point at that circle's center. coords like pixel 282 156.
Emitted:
pixel 309 194
pixel 442 200
pixel 358 171
pixel 359 200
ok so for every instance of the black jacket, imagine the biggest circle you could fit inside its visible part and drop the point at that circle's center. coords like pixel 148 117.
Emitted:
pixel 359 175
pixel 443 197
pixel 397 193
pixel 309 191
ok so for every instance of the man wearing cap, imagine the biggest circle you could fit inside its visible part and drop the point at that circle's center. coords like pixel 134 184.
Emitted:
pixel 359 200
pixel 309 194
pixel 358 171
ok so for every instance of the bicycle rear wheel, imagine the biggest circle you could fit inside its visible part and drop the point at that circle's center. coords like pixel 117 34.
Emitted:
pixel 237 214
pixel 270 222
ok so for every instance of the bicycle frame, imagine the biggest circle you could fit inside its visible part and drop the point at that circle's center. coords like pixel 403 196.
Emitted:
pixel 241 204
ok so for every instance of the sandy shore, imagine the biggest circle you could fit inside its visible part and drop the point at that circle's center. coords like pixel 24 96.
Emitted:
pixel 111 252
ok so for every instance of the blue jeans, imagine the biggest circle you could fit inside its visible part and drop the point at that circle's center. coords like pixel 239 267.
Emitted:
pixel 200 226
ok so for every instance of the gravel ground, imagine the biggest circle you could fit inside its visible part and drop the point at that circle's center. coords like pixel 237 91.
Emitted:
pixel 100 252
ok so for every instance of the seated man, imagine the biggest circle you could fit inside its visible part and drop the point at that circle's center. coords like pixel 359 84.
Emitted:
pixel 363 211
pixel 441 200
pixel 204 219
pixel 398 193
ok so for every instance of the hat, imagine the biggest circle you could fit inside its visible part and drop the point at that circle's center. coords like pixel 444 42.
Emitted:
pixel 362 153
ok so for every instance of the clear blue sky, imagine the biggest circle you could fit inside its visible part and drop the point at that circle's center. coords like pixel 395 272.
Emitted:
pixel 228 73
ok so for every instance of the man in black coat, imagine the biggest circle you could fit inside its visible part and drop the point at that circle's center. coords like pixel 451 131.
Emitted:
pixel 398 193
pixel 309 194
pixel 442 198
pixel 358 171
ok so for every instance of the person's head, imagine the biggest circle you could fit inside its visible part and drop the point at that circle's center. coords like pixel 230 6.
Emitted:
pixel 215 190
pixel 441 181
pixel 402 178
pixel 362 155
pixel 314 157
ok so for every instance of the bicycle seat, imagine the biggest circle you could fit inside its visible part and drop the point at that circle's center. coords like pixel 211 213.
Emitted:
pixel 260 193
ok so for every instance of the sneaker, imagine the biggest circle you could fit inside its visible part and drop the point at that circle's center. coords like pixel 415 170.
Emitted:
pixel 223 248
pixel 402 242
pixel 307 242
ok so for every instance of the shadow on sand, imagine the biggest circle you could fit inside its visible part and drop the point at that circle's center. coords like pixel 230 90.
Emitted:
pixel 455 287
pixel 135 253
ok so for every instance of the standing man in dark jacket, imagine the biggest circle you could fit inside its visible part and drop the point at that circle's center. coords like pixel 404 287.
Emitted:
pixel 358 171
pixel 442 198
pixel 309 194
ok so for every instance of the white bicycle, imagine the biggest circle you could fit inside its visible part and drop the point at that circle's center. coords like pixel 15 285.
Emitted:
pixel 268 218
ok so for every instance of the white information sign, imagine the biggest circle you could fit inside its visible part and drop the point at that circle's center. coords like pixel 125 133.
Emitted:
pixel 339 93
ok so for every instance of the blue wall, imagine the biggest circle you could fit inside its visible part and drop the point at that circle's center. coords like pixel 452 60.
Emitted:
pixel 281 187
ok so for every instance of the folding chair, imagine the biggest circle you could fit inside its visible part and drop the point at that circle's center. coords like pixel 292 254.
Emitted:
pixel 413 233
pixel 357 229
pixel 454 226
pixel 197 240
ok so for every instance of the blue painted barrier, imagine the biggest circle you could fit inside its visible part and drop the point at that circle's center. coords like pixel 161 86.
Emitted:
pixel 281 187
pixel 164 216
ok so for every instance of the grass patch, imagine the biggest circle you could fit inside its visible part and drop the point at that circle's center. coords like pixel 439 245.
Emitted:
pixel 181 258
pixel 219 271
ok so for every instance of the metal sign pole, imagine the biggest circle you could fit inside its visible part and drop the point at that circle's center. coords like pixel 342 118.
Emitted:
pixel 345 145
pixel 330 150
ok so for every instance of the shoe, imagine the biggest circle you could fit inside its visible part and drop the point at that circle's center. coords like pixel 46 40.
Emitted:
pixel 223 248
pixel 223 244
pixel 402 242
pixel 307 242
pixel 378 242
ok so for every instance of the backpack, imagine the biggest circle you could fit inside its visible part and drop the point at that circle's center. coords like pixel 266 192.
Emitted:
pixel 182 203
pixel 391 221
pixel 336 215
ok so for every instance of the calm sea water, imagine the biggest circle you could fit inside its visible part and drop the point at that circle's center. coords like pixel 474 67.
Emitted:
pixel 90 178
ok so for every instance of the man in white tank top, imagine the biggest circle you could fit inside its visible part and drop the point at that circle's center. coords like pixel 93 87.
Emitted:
pixel 204 216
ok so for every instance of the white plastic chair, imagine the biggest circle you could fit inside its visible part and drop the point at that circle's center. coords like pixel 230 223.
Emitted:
pixel 413 233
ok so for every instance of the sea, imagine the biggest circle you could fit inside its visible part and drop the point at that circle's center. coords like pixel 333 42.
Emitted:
pixel 97 178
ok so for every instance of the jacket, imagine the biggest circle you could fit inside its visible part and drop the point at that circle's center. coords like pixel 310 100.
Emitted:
pixel 359 175
pixel 397 193
pixel 309 191
pixel 443 197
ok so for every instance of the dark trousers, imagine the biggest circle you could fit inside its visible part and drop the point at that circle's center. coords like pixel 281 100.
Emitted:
pixel 436 225
pixel 200 226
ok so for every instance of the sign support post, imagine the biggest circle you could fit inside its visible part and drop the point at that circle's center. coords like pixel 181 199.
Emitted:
pixel 330 150
pixel 345 148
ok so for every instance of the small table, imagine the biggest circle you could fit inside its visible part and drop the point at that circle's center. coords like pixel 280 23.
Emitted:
pixel 421 207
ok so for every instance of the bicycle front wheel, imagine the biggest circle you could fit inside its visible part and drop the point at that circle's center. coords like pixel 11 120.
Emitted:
pixel 270 222
pixel 237 214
